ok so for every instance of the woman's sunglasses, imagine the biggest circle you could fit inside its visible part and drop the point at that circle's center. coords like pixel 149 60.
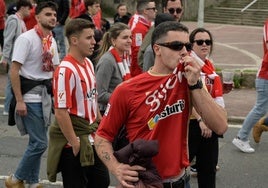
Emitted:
pixel 172 10
pixel 176 45
pixel 201 42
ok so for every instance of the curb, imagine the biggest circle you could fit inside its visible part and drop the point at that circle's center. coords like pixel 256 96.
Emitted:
pixel 236 119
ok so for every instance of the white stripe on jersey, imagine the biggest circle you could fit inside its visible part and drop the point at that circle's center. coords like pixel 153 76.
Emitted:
pixel 86 96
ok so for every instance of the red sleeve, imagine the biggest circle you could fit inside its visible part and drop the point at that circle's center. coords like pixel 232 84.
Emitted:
pixel 116 113
pixel 265 37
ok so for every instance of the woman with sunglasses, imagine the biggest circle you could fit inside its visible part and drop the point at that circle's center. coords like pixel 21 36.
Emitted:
pixel 203 142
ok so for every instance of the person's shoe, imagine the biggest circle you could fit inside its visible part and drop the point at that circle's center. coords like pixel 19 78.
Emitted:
pixel 258 128
pixel 243 145
pixel 5 113
pixel 11 184
pixel 193 172
pixel 217 167
pixel 36 185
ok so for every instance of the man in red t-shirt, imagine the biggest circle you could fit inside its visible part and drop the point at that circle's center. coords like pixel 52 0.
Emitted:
pixel 140 24
pixel 156 105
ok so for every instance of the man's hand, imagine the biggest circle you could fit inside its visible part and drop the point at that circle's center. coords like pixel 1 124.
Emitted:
pixel 127 175
pixel 76 148
pixel 21 108
pixel 192 70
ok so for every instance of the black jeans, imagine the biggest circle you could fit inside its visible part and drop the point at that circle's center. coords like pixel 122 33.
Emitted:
pixel 206 151
pixel 75 176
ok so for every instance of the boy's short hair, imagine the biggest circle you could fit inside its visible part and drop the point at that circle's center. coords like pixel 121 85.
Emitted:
pixel 23 3
pixel 76 26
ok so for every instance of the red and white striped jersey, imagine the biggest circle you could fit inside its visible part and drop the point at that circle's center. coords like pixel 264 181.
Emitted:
pixel 74 88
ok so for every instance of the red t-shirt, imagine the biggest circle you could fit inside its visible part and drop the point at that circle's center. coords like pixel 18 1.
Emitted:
pixel 77 8
pixel 30 21
pixel 139 27
pixel 74 88
pixel 153 108
pixel 263 72
pixel 2 14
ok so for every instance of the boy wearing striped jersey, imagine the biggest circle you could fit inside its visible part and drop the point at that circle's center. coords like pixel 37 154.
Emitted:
pixel 71 148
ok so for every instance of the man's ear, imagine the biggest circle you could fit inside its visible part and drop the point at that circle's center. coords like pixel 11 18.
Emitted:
pixel 74 40
pixel 156 49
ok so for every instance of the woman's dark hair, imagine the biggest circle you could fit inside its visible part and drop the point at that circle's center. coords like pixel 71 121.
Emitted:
pixel 201 30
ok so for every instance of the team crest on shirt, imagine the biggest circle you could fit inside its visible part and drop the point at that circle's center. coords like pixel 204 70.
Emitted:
pixel 61 97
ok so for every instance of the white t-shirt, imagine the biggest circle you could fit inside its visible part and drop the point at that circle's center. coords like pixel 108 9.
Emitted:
pixel 28 51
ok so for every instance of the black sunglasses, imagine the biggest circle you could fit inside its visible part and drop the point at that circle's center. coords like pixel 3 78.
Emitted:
pixel 153 8
pixel 172 10
pixel 201 42
pixel 176 45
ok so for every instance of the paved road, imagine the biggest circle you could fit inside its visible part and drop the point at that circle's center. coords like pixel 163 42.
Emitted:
pixel 237 170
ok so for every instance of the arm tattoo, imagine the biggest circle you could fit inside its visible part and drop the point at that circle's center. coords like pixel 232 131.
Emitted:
pixel 106 156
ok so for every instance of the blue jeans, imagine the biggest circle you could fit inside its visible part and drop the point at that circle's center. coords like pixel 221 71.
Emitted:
pixel 8 92
pixel 258 111
pixel 29 166
pixel 59 36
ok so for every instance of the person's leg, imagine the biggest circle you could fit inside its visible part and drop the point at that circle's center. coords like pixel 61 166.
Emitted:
pixel 194 137
pixel 8 95
pixel 59 36
pixel 73 175
pixel 258 111
pixel 206 161
pixel 29 165
pixel 98 175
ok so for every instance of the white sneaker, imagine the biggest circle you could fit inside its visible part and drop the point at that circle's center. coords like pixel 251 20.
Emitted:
pixel 243 146
pixel 5 113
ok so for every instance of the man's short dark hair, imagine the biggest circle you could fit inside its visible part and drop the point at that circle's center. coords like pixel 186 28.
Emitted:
pixel 45 4
pixel 142 4
pixel 91 2
pixel 165 2
pixel 162 29
pixel 23 3
pixel 163 17
pixel 76 26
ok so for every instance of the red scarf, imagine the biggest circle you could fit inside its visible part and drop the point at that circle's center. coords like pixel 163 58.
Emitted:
pixel 122 63
pixel 46 44
pixel 208 69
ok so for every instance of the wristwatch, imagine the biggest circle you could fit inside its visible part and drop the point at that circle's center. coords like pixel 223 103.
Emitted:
pixel 198 85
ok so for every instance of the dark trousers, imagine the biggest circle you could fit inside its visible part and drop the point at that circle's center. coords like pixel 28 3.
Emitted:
pixel 75 176
pixel 206 151
pixel 2 39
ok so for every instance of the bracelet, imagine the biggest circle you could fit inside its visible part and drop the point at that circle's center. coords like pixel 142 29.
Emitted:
pixel 199 120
